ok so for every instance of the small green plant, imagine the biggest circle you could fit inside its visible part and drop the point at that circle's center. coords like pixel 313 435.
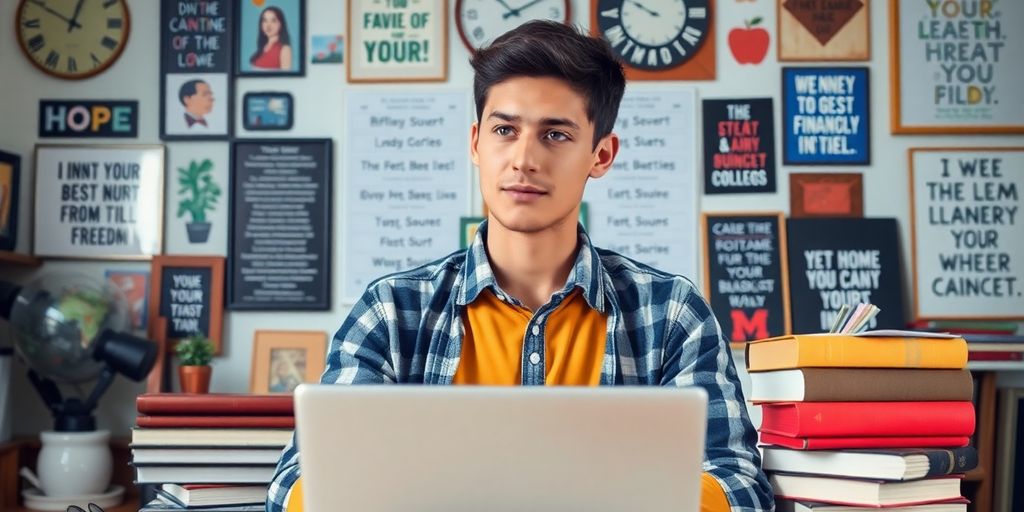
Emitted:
pixel 197 181
pixel 196 350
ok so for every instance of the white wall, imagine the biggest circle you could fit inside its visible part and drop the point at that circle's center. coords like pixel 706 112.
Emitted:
pixel 320 113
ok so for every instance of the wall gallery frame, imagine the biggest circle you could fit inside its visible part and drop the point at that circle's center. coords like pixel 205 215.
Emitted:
pixel 187 295
pixel 820 30
pixel 378 52
pixel 267 111
pixel 10 174
pixel 281 360
pixel 826 116
pixel 101 202
pixel 947 80
pixel 271 38
pixel 826 195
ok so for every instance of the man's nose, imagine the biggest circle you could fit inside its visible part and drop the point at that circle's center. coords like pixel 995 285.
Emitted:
pixel 525 157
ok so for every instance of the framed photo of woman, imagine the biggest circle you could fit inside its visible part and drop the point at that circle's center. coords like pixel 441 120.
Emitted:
pixel 271 38
pixel 281 360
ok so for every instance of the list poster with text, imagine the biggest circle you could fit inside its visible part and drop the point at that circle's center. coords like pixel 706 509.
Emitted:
pixel 407 182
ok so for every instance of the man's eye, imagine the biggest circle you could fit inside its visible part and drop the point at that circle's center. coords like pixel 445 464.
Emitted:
pixel 558 136
pixel 504 131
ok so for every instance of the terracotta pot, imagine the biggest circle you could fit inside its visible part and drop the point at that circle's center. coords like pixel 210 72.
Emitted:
pixel 195 379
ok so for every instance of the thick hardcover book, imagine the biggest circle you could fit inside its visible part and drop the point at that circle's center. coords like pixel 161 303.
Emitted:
pixel 846 351
pixel 216 421
pixel 212 437
pixel 906 464
pixel 202 456
pixel 219 474
pixel 840 443
pixel 215 404
pixel 783 505
pixel 213 495
pixel 865 493
pixel 868 419
pixel 860 385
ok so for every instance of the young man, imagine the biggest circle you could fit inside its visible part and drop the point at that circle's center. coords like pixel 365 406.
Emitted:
pixel 532 302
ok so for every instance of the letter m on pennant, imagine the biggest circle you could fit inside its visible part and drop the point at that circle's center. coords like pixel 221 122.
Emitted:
pixel 746 328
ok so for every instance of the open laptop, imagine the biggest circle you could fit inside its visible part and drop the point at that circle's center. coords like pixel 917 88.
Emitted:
pixel 469 448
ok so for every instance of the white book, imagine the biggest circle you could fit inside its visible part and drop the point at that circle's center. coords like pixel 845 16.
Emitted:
pixel 865 493
pixel 200 456
pixel 147 474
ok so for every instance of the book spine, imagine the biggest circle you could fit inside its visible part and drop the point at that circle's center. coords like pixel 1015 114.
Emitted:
pixel 885 385
pixel 868 419
pixel 853 352
pixel 948 462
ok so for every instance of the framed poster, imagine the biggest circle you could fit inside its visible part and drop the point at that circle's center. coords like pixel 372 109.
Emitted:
pixel 99 202
pixel 10 174
pixel 196 217
pixel 955 66
pixel 196 89
pixel 187 297
pixel 281 360
pixel 833 262
pixel 967 236
pixel 825 116
pixel 267 111
pixel 826 195
pixel 379 51
pixel 279 238
pixel 271 38
pixel 746 278
pixel 739 146
pixel 824 30
pixel 88 119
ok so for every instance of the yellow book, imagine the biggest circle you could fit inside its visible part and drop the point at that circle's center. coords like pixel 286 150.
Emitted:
pixel 850 351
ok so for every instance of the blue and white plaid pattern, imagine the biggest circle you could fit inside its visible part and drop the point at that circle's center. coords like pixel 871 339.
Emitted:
pixel 407 329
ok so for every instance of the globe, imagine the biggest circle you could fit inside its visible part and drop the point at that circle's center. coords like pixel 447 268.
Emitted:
pixel 56 321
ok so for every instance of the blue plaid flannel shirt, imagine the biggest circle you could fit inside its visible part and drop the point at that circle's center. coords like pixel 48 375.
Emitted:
pixel 407 328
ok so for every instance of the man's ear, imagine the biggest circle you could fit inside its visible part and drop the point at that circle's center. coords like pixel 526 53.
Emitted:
pixel 474 138
pixel 604 155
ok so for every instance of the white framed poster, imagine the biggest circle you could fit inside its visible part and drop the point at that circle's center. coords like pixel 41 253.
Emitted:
pixel 968 233
pixel 196 217
pixel 956 66
pixel 397 41
pixel 99 201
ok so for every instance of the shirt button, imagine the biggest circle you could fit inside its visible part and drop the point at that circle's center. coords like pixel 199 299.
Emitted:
pixel 536 330
pixel 534 358
pixel 501 297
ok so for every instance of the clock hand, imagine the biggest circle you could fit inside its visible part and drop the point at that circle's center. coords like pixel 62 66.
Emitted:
pixel 641 6
pixel 516 11
pixel 508 10
pixel 74 17
pixel 47 8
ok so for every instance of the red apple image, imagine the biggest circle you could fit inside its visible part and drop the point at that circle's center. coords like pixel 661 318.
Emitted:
pixel 749 45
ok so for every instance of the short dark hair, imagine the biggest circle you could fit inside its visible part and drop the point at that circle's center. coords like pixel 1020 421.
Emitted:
pixel 188 89
pixel 555 50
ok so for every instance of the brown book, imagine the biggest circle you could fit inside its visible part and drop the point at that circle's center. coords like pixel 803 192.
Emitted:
pixel 861 385
pixel 168 421
pixel 215 404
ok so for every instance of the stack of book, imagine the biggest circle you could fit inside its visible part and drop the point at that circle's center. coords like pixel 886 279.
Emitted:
pixel 864 420
pixel 987 340
pixel 214 452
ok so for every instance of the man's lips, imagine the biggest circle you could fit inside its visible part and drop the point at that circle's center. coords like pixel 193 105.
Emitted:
pixel 523 192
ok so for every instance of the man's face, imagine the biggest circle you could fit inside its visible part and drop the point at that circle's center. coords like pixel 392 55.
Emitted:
pixel 534 148
pixel 200 103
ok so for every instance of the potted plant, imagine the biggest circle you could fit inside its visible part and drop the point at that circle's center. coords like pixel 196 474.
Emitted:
pixel 201 192
pixel 195 353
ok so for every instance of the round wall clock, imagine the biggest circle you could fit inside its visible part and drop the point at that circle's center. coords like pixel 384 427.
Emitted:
pixel 654 34
pixel 482 21
pixel 72 39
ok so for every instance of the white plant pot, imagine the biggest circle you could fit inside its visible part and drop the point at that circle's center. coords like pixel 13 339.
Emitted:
pixel 74 463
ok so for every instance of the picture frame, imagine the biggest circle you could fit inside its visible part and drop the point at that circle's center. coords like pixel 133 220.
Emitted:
pixel 467 230
pixel 933 92
pixel 826 115
pixel 1010 459
pixel 813 194
pixel 281 360
pixel 740 160
pixel 267 111
pixel 272 60
pixel 964 263
pixel 186 295
pixel 113 209
pixel 134 284
pixel 10 190
pixel 418 53
pixel 817 31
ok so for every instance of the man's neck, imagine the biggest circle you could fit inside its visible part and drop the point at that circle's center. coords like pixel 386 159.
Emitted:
pixel 532 266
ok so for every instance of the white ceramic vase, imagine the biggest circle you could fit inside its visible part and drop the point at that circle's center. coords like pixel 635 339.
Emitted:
pixel 74 463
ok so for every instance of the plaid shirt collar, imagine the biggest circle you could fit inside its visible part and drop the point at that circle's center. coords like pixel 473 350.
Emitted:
pixel 586 274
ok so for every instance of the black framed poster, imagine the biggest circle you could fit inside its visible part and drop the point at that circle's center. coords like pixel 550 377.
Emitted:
pixel 826 116
pixel 739 146
pixel 279 245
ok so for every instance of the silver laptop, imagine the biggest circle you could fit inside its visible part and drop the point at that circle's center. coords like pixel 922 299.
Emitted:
pixel 469 448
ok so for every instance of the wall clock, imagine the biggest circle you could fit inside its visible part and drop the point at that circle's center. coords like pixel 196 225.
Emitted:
pixel 659 39
pixel 72 39
pixel 482 21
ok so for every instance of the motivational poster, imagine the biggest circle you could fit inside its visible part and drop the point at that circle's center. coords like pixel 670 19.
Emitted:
pixel 646 206
pixel 279 242
pixel 833 262
pixel 397 40
pixel 187 298
pixel 739 146
pixel 968 232
pixel 99 202
pixel 958 66
pixel 745 271
pixel 88 118
pixel 825 116
pixel 407 182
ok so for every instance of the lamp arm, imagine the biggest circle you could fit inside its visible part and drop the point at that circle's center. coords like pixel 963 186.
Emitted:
pixel 47 390
pixel 106 378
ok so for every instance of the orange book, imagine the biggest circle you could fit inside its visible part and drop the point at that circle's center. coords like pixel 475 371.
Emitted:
pixel 849 351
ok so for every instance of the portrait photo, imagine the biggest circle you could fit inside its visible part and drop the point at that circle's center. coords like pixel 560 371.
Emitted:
pixel 135 287
pixel 281 360
pixel 196 105
pixel 271 35
pixel 287 369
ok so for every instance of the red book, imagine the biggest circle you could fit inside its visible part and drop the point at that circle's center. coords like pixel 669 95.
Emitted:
pixel 215 404
pixel 986 355
pixel 216 421
pixel 868 419
pixel 842 443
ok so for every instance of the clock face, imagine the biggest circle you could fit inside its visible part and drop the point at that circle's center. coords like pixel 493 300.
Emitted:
pixel 72 38
pixel 654 34
pixel 482 21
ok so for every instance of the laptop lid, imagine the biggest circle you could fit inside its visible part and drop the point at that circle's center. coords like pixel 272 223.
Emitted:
pixel 470 448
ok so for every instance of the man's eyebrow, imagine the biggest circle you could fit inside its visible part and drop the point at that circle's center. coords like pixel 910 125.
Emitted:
pixel 547 121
